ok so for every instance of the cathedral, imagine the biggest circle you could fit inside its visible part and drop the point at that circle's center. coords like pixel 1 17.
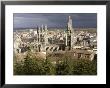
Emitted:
pixel 65 39
pixel 39 40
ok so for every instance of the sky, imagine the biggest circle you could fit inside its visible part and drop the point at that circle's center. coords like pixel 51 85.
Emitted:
pixel 54 20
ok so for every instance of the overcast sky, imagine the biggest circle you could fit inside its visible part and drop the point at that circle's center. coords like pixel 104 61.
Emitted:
pixel 59 20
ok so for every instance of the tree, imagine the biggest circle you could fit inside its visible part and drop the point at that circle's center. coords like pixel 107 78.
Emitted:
pixel 18 68
pixel 65 65
pixel 48 68
pixel 84 67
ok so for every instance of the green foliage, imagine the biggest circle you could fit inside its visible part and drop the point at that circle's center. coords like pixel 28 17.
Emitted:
pixel 85 67
pixel 48 68
pixel 63 66
pixel 18 68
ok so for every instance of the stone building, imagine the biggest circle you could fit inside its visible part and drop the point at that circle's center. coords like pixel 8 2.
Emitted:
pixel 84 54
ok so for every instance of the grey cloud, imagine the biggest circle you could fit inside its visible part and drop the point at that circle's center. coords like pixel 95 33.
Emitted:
pixel 22 20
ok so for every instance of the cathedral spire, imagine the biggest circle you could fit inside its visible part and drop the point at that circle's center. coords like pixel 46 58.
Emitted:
pixel 42 28
pixel 45 27
pixel 69 17
pixel 70 21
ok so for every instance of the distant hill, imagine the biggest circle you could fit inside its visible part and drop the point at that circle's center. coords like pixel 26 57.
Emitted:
pixel 91 30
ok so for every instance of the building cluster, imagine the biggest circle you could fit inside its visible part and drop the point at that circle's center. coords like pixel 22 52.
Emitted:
pixel 43 40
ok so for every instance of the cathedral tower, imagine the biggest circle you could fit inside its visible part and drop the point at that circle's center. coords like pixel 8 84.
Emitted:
pixel 46 35
pixel 70 34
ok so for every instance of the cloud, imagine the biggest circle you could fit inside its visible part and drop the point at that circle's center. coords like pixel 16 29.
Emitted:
pixel 24 20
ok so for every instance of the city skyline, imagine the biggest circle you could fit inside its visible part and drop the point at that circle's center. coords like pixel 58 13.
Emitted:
pixel 54 20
